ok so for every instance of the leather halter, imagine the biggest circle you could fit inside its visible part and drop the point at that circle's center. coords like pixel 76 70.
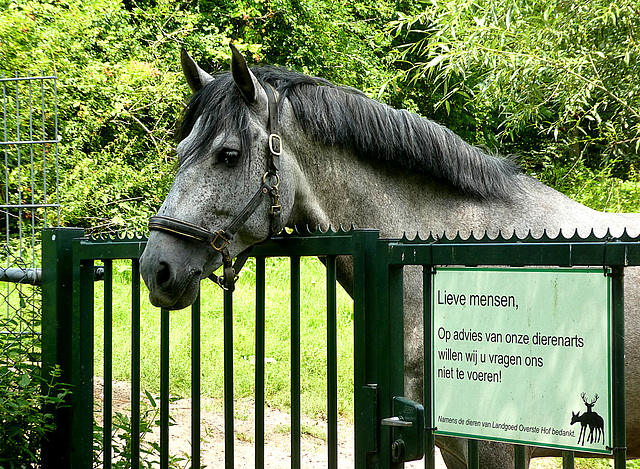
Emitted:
pixel 221 239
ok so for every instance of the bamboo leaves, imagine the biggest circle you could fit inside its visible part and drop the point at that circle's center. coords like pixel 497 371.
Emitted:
pixel 567 70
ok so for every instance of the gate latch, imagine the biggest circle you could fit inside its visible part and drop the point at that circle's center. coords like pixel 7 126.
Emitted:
pixel 407 430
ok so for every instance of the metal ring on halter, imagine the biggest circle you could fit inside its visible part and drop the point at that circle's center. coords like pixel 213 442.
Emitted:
pixel 264 179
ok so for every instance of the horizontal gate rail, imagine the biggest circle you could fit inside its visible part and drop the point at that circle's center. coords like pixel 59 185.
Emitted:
pixel 545 251
pixel 109 248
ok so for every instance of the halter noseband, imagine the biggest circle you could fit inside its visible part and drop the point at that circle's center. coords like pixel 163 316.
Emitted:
pixel 221 239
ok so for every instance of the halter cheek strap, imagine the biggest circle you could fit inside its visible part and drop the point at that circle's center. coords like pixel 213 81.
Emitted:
pixel 220 240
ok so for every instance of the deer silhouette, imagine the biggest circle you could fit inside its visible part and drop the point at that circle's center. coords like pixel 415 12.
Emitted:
pixel 589 419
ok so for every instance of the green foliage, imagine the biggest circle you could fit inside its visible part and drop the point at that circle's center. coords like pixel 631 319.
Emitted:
pixel 117 104
pixel 28 397
pixel 120 89
pixel 27 403
pixel 122 436
pixel 555 82
pixel 597 189
pixel 339 40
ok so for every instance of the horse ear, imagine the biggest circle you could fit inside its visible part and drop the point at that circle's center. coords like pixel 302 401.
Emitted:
pixel 245 81
pixel 196 77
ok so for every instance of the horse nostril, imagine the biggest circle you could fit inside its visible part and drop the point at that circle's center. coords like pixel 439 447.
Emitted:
pixel 164 274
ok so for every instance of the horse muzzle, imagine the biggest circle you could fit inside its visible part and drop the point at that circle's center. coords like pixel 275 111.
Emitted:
pixel 172 270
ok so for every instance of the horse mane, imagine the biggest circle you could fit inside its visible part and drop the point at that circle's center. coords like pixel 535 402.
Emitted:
pixel 345 117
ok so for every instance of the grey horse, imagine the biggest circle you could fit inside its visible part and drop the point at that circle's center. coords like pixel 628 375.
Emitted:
pixel 344 159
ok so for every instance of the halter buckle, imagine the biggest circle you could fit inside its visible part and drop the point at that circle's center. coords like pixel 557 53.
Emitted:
pixel 220 236
pixel 275 144
pixel 276 209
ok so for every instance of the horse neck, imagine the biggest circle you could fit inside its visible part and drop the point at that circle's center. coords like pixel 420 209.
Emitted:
pixel 336 188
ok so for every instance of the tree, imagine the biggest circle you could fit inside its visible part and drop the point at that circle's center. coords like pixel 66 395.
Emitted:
pixel 555 82
pixel 121 89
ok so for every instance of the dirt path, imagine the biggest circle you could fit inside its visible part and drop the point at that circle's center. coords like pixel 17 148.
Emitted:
pixel 277 448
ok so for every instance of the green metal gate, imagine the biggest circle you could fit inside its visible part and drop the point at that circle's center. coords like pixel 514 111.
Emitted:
pixel 72 261
pixel 71 264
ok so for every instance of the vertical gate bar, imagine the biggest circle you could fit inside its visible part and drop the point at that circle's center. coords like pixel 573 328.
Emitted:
pixel 568 460
pixel 6 161
pixel 18 154
pixel 383 356
pixel 32 175
pixel 195 384
pixel 55 118
pixel 45 199
pixel 332 363
pixel 395 350
pixel 7 213
pixel 520 454
pixel 474 454
pixel 619 423
pixel 135 363
pixel 427 308
pixel 82 367
pixel 259 361
pixel 228 380
pixel 107 407
pixel 164 388
pixel 296 453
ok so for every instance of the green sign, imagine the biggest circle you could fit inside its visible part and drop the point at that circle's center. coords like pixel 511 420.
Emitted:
pixel 523 356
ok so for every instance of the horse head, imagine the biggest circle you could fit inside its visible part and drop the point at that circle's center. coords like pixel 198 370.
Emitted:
pixel 233 188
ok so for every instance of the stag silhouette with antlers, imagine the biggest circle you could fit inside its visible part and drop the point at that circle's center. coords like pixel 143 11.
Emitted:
pixel 589 419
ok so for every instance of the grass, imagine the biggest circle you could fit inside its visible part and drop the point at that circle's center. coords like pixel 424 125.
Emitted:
pixel 277 335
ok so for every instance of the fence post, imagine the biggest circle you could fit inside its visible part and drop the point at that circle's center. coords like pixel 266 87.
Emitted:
pixel 57 307
pixel 427 314
pixel 619 392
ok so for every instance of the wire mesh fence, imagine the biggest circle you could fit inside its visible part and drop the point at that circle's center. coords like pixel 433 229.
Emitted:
pixel 29 201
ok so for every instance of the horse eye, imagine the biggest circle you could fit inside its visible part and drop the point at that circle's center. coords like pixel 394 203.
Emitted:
pixel 229 157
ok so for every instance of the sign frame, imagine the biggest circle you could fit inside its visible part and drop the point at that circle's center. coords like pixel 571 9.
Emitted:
pixel 446 379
